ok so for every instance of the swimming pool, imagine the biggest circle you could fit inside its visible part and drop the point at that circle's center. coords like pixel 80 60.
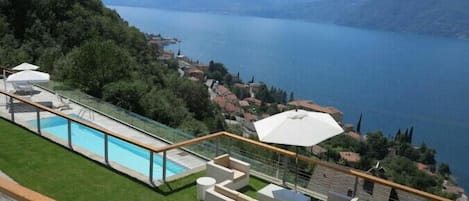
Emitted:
pixel 119 151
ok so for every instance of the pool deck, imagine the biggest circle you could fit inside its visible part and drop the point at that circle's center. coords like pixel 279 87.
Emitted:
pixel 192 162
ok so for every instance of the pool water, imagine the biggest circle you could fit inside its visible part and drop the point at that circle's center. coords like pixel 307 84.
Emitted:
pixel 119 151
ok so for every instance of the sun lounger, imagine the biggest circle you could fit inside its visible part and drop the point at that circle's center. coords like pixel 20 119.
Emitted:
pixel 64 104
pixel 22 88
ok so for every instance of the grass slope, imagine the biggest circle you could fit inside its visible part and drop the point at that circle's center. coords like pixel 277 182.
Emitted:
pixel 54 171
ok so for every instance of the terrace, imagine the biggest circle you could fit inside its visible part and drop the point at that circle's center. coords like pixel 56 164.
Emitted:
pixel 31 157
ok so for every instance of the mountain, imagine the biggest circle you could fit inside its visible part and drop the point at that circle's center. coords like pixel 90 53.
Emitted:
pixel 438 17
pixel 448 18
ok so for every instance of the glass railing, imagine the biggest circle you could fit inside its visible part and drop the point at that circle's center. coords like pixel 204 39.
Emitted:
pixel 317 179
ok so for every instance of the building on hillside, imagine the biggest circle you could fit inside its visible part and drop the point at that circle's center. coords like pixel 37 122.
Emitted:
pixel 166 55
pixel 424 168
pixel 253 101
pixel 195 72
pixel 317 150
pixel 244 104
pixel 241 86
pixel 350 157
pixel 308 105
pixel 354 135
pixel 250 117
pixel 282 107
pixel 348 127
pixel 227 106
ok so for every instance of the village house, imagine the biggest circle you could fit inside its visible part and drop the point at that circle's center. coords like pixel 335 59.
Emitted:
pixel 166 55
pixel 253 101
pixel 195 72
pixel 354 135
pixel 244 104
pixel 308 105
pixel 349 157
pixel 317 150
pixel 249 117
pixel 424 168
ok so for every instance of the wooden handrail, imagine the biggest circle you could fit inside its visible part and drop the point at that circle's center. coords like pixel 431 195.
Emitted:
pixel 290 154
pixel 88 124
pixel 21 193
pixel 338 168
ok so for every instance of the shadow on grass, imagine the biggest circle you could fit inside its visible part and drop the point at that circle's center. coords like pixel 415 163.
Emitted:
pixel 247 189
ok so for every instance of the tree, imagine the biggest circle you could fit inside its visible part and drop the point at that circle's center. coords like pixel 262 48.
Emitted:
pixel 163 106
pixel 443 169
pixel 377 145
pixel 97 63
pixel 125 94
pixel 359 124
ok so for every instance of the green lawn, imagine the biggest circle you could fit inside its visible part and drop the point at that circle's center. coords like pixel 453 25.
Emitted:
pixel 54 171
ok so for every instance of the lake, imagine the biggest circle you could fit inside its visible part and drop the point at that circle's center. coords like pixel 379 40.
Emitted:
pixel 397 80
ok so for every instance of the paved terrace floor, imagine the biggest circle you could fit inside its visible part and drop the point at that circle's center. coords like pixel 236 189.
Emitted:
pixel 192 162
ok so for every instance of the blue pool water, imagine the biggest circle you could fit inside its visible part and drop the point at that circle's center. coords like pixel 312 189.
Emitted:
pixel 124 153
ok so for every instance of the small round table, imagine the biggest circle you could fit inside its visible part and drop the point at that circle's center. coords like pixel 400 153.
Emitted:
pixel 204 183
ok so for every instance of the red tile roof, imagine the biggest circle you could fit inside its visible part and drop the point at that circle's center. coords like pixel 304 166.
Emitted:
pixel 282 107
pixel 424 168
pixel 354 135
pixel 222 90
pixel 239 85
pixel 243 103
pixel 313 106
pixel 253 101
pixel 250 117
pixel 316 149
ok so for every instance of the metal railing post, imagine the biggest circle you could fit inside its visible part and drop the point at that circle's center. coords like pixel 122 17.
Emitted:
pixel 164 166
pixel 38 116
pixel 106 158
pixel 217 147
pixel 12 110
pixel 355 187
pixel 69 132
pixel 151 167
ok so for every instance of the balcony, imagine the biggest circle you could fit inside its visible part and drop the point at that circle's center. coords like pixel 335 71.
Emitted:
pixel 269 164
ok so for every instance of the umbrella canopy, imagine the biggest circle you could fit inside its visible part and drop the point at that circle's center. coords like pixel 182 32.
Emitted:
pixel 28 76
pixel 25 66
pixel 297 127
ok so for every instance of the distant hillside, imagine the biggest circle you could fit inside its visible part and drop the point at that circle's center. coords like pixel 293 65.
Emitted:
pixel 436 17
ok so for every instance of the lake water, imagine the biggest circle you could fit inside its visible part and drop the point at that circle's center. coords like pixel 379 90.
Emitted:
pixel 396 80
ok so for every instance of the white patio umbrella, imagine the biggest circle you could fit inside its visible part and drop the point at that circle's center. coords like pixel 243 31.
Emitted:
pixel 25 66
pixel 28 77
pixel 298 128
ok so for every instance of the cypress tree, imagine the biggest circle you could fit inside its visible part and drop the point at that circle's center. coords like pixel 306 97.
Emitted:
pixel 411 134
pixel 359 124
pixel 406 135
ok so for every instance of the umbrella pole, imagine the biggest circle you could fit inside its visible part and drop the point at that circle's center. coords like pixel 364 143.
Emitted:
pixel 296 175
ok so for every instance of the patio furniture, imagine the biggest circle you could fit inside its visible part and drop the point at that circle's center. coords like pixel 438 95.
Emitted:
pixel 220 192
pixel 64 104
pixel 22 88
pixel 224 168
pixel 204 183
pixel 273 192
